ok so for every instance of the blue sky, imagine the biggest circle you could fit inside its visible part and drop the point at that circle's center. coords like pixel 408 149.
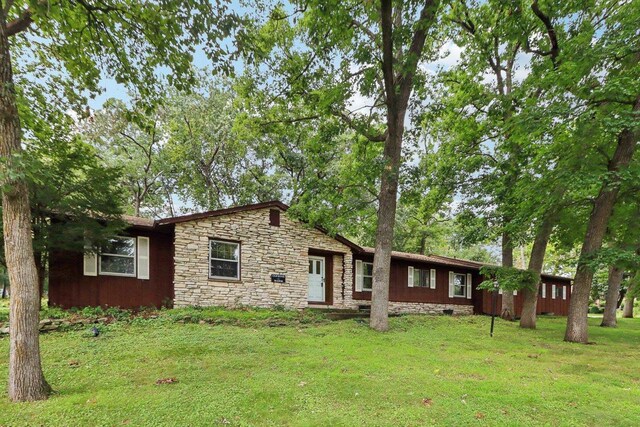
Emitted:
pixel 112 89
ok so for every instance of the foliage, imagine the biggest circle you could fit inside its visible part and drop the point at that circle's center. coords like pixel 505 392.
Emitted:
pixel 508 278
pixel 325 374
pixel 74 197
pixel 128 138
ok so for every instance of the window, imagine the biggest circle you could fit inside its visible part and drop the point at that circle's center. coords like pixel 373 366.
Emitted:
pixel 459 285
pixel 559 291
pixel 118 257
pixel 420 278
pixel 224 259
pixel 367 276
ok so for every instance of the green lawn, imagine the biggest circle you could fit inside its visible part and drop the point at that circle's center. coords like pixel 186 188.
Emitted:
pixel 426 370
pixel 4 309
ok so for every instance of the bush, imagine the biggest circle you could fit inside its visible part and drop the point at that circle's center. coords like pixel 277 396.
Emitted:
pixel 595 310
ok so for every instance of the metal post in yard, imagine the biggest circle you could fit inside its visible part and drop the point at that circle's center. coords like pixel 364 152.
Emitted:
pixel 494 303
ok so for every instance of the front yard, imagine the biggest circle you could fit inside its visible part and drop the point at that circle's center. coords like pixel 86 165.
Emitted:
pixel 301 371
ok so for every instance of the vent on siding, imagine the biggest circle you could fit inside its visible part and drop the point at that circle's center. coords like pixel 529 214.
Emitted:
pixel 274 217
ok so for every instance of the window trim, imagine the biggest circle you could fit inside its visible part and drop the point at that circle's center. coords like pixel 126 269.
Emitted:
pixel 464 287
pixel 366 275
pixel 209 258
pixel 134 256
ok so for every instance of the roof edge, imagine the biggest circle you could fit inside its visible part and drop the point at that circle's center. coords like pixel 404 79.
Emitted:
pixel 448 261
pixel 244 208
pixel 221 212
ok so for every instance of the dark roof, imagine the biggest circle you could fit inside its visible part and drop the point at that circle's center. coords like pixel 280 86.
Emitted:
pixel 443 260
pixel 433 259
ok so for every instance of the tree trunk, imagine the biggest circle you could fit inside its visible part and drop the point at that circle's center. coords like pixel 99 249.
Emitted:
pixel 508 309
pixel 627 310
pixel 596 229
pixel 26 380
pixel 613 292
pixel 386 223
pixel 4 289
pixel 397 92
pixel 528 318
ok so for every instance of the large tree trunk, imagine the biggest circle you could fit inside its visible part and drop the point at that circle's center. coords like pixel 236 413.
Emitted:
pixel 397 93
pixel 384 233
pixel 528 317
pixel 596 229
pixel 26 380
pixel 627 310
pixel 613 292
pixel 508 308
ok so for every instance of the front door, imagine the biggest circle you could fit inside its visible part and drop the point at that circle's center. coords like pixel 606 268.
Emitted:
pixel 316 279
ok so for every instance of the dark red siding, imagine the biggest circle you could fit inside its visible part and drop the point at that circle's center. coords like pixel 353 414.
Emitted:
pixel 69 287
pixel 399 291
pixel 547 305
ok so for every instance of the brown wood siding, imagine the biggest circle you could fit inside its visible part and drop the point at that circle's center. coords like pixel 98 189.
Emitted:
pixel 399 291
pixel 547 305
pixel 69 287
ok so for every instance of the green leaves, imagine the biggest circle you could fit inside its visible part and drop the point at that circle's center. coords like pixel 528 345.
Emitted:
pixel 508 278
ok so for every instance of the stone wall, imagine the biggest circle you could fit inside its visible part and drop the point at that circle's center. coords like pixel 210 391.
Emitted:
pixel 424 308
pixel 264 250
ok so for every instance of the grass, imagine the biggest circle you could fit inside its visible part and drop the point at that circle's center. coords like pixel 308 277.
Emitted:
pixel 424 371
pixel 4 309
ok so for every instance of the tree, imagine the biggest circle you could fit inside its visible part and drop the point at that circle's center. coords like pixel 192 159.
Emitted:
pixel 622 253
pixel 131 139
pixel 74 199
pixel 613 291
pixel 324 53
pixel 76 42
pixel 478 102
pixel 629 298
pixel 205 157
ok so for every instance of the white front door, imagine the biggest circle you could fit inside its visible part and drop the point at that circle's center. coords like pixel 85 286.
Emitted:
pixel 316 279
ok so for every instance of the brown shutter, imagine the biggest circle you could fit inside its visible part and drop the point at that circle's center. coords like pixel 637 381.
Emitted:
pixel 274 217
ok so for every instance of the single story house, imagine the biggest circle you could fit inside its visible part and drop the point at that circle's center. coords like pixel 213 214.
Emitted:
pixel 256 255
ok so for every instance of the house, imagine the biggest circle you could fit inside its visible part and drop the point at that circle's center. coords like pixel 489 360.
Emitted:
pixel 256 255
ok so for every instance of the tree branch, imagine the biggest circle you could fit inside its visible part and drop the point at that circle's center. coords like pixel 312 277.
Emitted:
pixel 380 137
pixel 551 33
pixel 19 24
pixel 427 16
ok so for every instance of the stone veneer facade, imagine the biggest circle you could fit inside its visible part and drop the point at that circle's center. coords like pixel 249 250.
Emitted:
pixel 428 308
pixel 264 250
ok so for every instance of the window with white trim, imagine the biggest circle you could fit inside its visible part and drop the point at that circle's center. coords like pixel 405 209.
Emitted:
pixel 224 259
pixel 559 291
pixel 367 276
pixel 421 278
pixel 118 257
pixel 459 285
